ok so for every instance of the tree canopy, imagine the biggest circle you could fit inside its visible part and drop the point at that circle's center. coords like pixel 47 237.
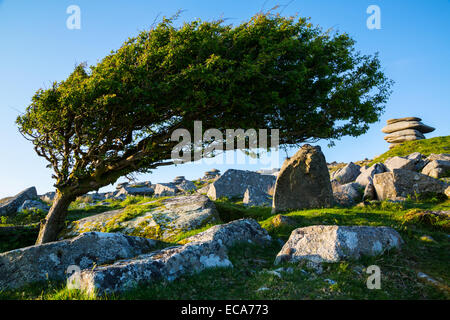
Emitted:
pixel 116 117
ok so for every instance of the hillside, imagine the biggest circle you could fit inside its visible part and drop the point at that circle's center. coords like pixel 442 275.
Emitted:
pixel 425 147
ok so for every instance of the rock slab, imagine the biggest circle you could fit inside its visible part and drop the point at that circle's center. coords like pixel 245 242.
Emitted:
pixel 51 260
pixel 335 243
pixel 234 183
pixel 346 174
pixel 204 250
pixel 163 221
pixel 11 205
pixel 400 183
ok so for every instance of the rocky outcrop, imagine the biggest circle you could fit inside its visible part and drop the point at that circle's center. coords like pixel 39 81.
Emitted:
pixel 51 260
pixel 281 220
pixel 303 182
pixel 204 189
pixel 347 194
pixel 204 250
pixel 437 169
pixel 212 174
pixel 367 174
pixel 185 186
pixel 234 183
pixel 405 129
pixel 255 197
pixel 33 206
pixel 48 197
pixel 335 243
pixel 400 183
pixel 400 163
pixel 346 174
pixel 165 189
pixel 140 190
pixel 10 206
pixel 160 219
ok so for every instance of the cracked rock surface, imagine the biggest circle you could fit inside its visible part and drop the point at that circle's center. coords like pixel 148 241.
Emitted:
pixel 50 261
pixel 204 250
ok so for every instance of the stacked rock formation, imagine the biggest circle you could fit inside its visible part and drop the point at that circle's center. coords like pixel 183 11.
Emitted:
pixel 405 129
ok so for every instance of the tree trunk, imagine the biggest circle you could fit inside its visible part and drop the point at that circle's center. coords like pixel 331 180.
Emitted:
pixel 54 221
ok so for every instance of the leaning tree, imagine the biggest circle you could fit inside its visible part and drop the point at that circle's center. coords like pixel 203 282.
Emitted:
pixel 117 117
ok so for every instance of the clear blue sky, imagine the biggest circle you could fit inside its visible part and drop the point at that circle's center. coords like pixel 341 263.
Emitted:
pixel 36 48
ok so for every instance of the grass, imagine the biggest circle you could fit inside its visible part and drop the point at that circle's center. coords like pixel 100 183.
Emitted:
pixel 426 147
pixel 345 280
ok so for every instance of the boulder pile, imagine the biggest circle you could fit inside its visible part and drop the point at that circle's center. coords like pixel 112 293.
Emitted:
pixel 405 129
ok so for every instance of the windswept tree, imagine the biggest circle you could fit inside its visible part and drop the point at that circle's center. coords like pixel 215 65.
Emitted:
pixel 117 117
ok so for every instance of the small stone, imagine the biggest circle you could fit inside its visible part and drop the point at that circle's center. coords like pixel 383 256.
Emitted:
pixel 427 238
pixel 263 289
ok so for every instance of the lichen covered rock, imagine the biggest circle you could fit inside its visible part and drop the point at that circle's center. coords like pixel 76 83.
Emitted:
pixel 204 250
pixel 335 243
pixel 400 183
pixel 234 183
pixel 346 174
pixel 50 261
pixel 161 219
pixel 303 182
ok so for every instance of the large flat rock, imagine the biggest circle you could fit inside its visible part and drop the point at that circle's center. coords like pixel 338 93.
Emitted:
pixel 168 218
pixel 407 132
pixel 400 139
pixel 346 174
pixel 400 183
pixel 335 243
pixel 204 250
pixel 403 125
pixel 400 163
